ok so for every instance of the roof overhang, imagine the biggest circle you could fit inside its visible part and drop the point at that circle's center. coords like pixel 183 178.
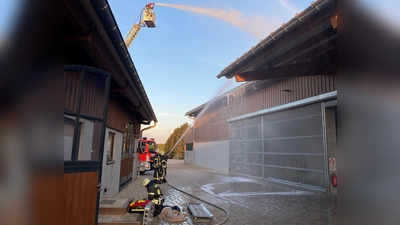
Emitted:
pixel 304 46
pixel 91 25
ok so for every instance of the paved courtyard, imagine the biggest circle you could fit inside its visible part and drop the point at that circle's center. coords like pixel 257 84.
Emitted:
pixel 234 199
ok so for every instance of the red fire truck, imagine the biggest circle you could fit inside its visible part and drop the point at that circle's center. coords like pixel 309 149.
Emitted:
pixel 146 152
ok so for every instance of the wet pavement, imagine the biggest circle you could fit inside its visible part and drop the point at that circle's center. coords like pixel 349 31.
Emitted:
pixel 235 199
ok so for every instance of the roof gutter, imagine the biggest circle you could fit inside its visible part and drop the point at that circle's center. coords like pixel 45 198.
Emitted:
pixel 233 68
pixel 107 19
pixel 146 128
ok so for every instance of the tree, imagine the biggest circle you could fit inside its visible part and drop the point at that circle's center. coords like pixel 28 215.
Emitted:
pixel 176 138
pixel 161 146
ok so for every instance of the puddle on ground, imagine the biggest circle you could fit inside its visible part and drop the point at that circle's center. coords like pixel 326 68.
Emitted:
pixel 247 189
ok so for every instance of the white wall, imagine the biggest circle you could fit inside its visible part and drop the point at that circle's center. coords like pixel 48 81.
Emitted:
pixel 213 155
pixel 85 147
pixel 111 172
pixel 68 141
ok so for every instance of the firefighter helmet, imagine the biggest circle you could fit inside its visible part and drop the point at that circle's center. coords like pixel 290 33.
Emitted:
pixel 157 150
pixel 145 181
pixel 162 153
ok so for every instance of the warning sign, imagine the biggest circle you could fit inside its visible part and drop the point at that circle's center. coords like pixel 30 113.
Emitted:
pixel 332 162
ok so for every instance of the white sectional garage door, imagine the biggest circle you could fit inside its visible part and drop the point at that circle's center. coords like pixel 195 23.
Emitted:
pixel 284 146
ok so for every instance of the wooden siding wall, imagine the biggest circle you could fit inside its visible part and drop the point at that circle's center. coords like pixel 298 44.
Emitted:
pixel 80 197
pixel 92 95
pixel 71 90
pixel 212 124
pixel 118 116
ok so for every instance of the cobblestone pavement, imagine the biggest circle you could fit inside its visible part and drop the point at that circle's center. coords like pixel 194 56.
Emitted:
pixel 246 200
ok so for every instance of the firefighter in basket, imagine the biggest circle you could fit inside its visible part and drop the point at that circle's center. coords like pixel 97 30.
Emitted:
pixel 163 167
pixel 157 167
pixel 154 192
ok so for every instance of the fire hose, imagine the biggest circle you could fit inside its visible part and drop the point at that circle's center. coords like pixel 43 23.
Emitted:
pixel 226 212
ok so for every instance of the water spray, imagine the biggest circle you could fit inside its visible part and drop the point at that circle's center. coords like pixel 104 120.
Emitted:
pixel 252 24
pixel 219 93
pixel 176 143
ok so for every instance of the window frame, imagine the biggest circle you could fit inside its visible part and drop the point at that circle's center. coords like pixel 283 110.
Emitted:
pixel 75 165
pixel 111 152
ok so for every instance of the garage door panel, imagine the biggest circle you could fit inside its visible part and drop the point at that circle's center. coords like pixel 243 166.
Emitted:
pixel 246 169
pixel 255 158
pixel 247 122
pixel 311 178
pixel 298 112
pixel 246 146
pixel 310 162
pixel 246 133
pixel 299 127
pixel 309 145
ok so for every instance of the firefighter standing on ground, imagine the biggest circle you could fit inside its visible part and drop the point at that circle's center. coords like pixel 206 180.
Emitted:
pixel 154 192
pixel 157 167
pixel 163 167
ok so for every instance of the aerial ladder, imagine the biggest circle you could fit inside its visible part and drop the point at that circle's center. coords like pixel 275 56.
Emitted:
pixel 147 18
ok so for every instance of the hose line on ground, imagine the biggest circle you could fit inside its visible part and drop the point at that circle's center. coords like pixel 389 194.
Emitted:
pixel 226 212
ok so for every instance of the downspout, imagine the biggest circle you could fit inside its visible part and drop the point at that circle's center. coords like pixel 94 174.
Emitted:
pixel 146 128
pixel 137 173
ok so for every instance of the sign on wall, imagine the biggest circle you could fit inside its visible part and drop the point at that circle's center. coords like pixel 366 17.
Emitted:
pixel 332 164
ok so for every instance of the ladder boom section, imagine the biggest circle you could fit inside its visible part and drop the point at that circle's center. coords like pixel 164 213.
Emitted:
pixel 147 18
pixel 132 34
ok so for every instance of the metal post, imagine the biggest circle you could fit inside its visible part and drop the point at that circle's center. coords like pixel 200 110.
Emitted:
pixel 325 146
pixel 262 146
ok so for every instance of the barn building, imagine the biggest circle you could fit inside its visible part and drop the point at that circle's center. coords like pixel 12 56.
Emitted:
pixel 105 106
pixel 280 125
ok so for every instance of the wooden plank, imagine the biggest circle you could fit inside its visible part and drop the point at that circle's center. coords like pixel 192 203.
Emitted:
pixel 80 197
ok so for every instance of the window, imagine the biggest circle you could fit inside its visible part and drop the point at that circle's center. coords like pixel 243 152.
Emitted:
pixel 69 129
pixel 85 107
pixel 189 147
pixel 110 147
pixel 85 139
pixel 129 140
pixel 152 147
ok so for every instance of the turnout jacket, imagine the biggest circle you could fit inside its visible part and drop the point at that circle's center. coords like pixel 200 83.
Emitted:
pixel 154 192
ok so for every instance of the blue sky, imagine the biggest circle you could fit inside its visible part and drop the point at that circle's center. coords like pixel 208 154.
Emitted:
pixel 178 61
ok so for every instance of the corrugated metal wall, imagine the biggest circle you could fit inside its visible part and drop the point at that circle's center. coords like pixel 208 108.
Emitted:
pixel 212 125
pixel 188 138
